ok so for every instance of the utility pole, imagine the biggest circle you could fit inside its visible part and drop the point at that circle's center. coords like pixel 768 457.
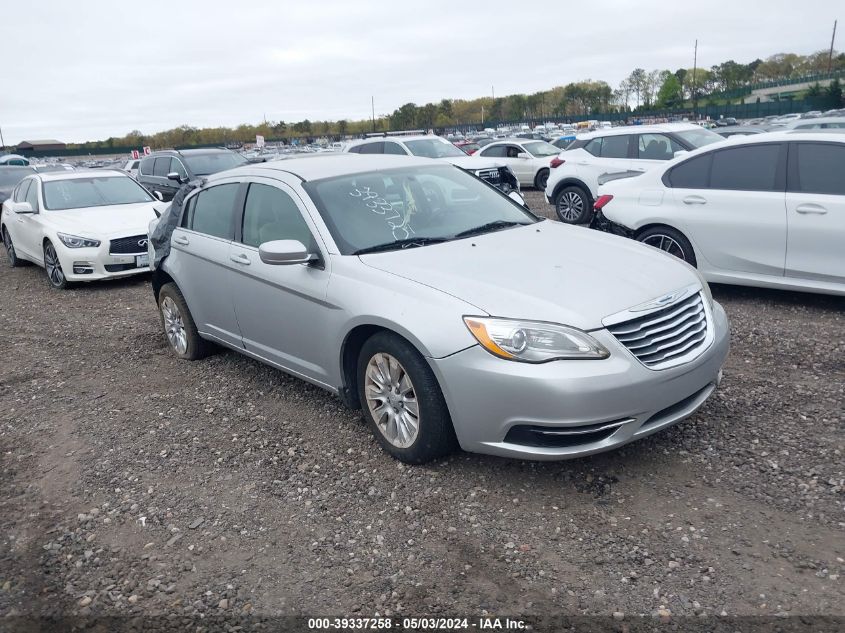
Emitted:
pixel 830 55
pixel 482 114
pixel 493 92
pixel 373 104
pixel 2 142
pixel 694 90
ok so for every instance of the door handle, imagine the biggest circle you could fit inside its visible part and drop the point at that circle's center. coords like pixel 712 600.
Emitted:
pixel 240 259
pixel 694 200
pixel 181 240
pixel 810 208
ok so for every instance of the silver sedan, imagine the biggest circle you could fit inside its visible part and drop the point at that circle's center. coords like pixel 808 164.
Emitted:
pixel 446 311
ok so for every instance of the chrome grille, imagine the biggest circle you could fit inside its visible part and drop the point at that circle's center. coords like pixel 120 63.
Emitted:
pixel 490 175
pixel 669 336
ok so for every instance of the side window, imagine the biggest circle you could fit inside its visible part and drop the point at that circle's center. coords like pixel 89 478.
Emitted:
pixel 271 214
pixel 356 149
pixel 32 194
pixel 615 146
pixel 513 151
pixel 497 151
pixel 821 168
pixel 371 148
pixel 20 192
pixel 594 147
pixel 748 168
pixel 188 212
pixel 214 210
pixel 691 174
pixel 177 166
pixel 162 166
pixel 146 166
pixel 657 147
pixel 394 148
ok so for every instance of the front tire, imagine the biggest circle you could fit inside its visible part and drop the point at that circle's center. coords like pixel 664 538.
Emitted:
pixel 181 333
pixel 541 179
pixel 11 253
pixel 670 241
pixel 573 205
pixel 402 401
pixel 53 267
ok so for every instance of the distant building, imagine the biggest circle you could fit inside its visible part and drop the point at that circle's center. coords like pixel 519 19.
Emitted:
pixel 43 145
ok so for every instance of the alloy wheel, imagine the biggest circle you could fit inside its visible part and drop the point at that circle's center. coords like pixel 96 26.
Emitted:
pixel 570 206
pixel 665 243
pixel 174 326
pixel 391 400
pixel 53 266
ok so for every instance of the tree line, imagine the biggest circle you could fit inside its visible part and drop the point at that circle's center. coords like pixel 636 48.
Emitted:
pixel 642 90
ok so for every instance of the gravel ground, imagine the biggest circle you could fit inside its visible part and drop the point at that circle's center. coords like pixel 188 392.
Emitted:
pixel 136 484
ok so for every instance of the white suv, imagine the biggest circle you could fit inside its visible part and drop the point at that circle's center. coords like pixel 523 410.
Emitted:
pixel 575 176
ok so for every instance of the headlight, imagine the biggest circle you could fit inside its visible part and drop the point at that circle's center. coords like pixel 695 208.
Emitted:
pixel 72 241
pixel 706 288
pixel 533 341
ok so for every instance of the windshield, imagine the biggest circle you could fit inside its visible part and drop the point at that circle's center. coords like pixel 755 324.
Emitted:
pixel 96 191
pixel 433 148
pixel 425 203
pixel 700 137
pixel 205 164
pixel 541 149
pixel 10 176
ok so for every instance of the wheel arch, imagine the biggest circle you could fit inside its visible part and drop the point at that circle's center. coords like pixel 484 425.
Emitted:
pixel 653 225
pixel 568 182
pixel 159 279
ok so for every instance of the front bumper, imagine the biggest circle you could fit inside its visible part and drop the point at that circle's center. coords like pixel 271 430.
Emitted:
pixel 567 409
pixel 94 264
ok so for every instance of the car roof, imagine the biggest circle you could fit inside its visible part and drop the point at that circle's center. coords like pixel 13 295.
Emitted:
pixel 640 129
pixel 409 137
pixel 327 165
pixel 190 152
pixel 816 121
pixel 516 139
pixel 81 173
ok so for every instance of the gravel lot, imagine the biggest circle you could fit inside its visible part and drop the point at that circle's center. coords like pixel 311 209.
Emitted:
pixel 136 484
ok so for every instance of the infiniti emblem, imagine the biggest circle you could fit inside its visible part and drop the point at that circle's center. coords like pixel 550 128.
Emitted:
pixel 142 242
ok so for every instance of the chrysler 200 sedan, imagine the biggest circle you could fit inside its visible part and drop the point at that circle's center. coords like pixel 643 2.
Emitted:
pixel 443 309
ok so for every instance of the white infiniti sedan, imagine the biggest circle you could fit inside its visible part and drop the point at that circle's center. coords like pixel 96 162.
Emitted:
pixel 79 226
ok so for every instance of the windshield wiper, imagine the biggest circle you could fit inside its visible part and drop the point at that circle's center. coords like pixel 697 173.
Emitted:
pixel 406 243
pixel 490 226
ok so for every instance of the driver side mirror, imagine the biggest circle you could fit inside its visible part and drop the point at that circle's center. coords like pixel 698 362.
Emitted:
pixel 158 196
pixel 174 175
pixel 285 253
pixel 22 207
pixel 523 155
pixel 680 152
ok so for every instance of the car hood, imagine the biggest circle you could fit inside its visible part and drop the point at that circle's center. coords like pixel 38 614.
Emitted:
pixel 106 220
pixel 473 163
pixel 543 272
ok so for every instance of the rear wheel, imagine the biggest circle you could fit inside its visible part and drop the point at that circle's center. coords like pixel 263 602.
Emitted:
pixel 669 240
pixel 573 205
pixel 179 327
pixel 55 274
pixel 14 262
pixel 402 401
pixel 541 179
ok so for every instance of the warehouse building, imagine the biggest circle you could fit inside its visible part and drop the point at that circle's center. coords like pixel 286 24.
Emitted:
pixel 43 145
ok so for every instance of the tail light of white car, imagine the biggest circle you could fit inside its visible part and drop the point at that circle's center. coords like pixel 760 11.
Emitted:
pixel 556 162
pixel 601 201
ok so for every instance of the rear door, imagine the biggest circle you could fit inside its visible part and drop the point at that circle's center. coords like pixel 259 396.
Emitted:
pixel 610 154
pixel 815 211
pixel 199 260
pixel 281 309
pixel 162 167
pixel 731 204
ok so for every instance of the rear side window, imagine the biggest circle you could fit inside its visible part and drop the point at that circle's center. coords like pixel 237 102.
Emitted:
pixel 146 166
pixel 213 212
pixel 748 168
pixel 371 148
pixel 820 168
pixel 162 166
pixel 594 147
pixel 691 174
pixel 615 146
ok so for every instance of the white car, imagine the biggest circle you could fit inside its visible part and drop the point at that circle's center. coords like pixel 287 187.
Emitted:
pixel 530 160
pixel 79 226
pixel 131 167
pixel 574 179
pixel 765 210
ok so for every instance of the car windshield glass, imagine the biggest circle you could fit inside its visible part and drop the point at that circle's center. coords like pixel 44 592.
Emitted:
pixel 541 148
pixel 426 203
pixel 10 176
pixel 95 191
pixel 700 137
pixel 205 164
pixel 433 148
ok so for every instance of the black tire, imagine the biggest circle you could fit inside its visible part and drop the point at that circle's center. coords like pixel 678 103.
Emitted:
pixel 541 179
pixel 573 205
pixel 669 240
pixel 435 435
pixel 14 260
pixel 53 268
pixel 195 346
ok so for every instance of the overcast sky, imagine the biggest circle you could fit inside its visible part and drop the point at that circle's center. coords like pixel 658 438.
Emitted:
pixel 90 69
